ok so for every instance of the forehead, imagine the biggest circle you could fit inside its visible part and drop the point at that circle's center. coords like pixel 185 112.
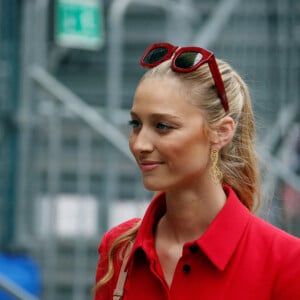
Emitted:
pixel 165 96
pixel 167 92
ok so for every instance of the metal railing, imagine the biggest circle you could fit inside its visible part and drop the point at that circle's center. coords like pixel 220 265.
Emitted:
pixel 14 290
pixel 81 110
pixel 39 84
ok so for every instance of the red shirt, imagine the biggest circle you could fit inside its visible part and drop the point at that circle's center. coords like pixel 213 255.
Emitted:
pixel 238 257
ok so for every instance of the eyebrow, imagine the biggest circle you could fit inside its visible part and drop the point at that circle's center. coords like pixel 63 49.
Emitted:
pixel 158 115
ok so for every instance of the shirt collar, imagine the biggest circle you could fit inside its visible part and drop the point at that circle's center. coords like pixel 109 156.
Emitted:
pixel 145 235
pixel 218 242
pixel 224 233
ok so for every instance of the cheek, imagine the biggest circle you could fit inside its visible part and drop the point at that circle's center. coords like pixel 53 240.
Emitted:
pixel 190 152
pixel 175 154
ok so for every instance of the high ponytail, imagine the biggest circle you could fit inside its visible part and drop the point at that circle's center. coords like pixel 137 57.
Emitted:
pixel 239 160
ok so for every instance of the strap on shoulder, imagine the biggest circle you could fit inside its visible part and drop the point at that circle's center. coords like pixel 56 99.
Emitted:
pixel 119 290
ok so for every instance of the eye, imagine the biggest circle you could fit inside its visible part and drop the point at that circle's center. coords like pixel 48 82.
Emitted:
pixel 163 126
pixel 134 124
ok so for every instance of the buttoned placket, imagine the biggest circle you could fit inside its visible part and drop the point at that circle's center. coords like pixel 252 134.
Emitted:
pixel 188 256
pixel 158 273
pixel 183 268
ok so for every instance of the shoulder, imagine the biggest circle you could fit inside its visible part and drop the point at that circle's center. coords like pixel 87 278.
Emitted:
pixel 116 231
pixel 283 252
pixel 106 243
pixel 104 256
pixel 280 243
pixel 274 245
pixel 272 234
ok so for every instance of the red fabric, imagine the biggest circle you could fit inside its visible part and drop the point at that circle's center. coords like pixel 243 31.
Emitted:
pixel 239 257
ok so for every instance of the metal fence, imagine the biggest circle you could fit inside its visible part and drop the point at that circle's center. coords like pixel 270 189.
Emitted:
pixel 76 176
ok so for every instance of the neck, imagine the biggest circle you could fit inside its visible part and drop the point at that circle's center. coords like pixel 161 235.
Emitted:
pixel 190 212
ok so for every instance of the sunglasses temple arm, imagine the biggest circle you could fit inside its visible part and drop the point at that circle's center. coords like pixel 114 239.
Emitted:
pixel 219 83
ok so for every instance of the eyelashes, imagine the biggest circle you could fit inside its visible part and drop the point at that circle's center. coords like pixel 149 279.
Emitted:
pixel 163 126
pixel 134 123
pixel 160 126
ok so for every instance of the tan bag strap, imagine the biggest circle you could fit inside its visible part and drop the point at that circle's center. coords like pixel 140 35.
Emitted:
pixel 119 290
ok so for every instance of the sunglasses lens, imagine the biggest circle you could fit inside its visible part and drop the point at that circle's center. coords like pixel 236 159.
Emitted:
pixel 188 59
pixel 155 55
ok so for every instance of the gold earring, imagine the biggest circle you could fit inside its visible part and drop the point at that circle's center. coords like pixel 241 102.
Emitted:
pixel 214 171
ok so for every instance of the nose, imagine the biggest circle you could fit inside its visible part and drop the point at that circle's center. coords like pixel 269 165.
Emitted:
pixel 141 141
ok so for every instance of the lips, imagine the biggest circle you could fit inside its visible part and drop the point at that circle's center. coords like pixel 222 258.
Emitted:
pixel 147 166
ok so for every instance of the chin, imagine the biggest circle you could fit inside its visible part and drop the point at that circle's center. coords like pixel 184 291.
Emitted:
pixel 153 187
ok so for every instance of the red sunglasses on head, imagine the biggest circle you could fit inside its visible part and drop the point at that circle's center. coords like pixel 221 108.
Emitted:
pixel 185 59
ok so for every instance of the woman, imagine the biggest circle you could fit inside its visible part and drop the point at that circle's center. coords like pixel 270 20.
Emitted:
pixel 193 138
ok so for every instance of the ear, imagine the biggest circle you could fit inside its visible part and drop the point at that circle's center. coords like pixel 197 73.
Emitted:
pixel 222 133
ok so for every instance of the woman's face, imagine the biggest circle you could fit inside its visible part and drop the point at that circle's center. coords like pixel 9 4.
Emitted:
pixel 167 137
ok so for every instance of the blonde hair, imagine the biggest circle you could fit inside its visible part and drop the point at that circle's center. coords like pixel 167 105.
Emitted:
pixel 124 239
pixel 238 160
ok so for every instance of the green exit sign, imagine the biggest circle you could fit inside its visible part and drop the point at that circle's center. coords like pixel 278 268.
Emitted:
pixel 79 24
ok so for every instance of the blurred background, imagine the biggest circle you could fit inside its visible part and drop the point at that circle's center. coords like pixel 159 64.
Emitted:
pixel 68 71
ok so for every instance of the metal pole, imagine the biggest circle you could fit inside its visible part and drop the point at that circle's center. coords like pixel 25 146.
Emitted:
pixel 15 290
pixel 181 14
pixel 116 15
pixel 212 29
pixel 81 109
pixel 83 183
pixel 53 183
pixel 282 124
pixel 24 121
pixel 10 95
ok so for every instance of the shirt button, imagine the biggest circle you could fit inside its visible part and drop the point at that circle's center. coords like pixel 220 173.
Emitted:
pixel 186 268
pixel 193 249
